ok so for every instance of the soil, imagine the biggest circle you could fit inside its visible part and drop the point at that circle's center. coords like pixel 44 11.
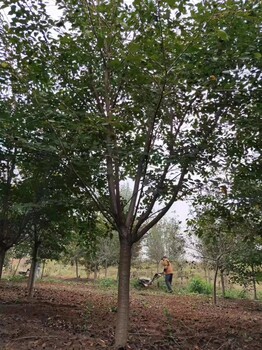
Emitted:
pixel 82 316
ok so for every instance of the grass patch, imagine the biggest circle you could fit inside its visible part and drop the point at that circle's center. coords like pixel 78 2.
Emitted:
pixel 236 294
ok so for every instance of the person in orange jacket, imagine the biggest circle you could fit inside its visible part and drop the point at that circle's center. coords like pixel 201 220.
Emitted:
pixel 168 272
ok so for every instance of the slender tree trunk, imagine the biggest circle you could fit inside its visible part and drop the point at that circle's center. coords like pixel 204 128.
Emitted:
pixel 254 282
pixel 32 275
pixel 43 269
pixel 223 283
pixel 208 276
pixel 205 272
pixel 122 321
pixel 77 272
pixel 215 286
pixel 95 272
pixel 106 268
pixel 2 260
pixel 15 271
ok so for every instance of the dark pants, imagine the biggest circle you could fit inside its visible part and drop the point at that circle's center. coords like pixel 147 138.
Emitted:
pixel 168 280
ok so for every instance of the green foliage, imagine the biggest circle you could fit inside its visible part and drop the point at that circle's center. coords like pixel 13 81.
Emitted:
pixel 197 285
pixel 17 278
pixel 136 284
pixel 107 283
pixel 259 295
pixel 165 239
pixel 236 294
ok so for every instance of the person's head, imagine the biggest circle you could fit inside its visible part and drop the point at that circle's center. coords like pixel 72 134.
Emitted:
pixel 164 257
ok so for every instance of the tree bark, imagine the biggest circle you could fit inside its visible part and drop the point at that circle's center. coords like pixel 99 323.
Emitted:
pixel 223 284
pixel 208 276
pixel 205 272
pixel 43 269
pixel 77 272
pixel 215 286
pixel 122 321
pixel 32 275
pixel 2 260
pixel 15 271
pixel 254 282
pixel 95 273
pixel 106 268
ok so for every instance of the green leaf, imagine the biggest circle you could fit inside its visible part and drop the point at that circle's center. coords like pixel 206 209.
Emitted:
pixel 222 35
pixel 5 65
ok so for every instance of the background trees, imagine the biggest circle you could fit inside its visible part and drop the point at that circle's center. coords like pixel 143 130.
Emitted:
pixel 229 238
pixel 165 239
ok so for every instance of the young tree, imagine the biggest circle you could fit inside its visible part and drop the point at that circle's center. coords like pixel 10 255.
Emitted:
pixel 136 92
pixel 165 239
pixel 155 244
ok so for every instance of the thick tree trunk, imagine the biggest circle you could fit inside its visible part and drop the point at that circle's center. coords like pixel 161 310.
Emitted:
pixel 32 275
pixel 215 286
pixel 122 321
pixel 2 260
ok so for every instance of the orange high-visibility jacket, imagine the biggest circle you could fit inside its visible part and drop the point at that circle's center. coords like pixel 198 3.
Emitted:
pixel 168 269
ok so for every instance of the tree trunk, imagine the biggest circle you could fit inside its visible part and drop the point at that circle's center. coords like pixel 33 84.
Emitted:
pixel 32 275
pixel 205 272
pixel 43 269
pixel 122 321
pixel 106 268
pixel 15 271
pixel 254 282
pixel 215 286
pixel 77 272
pixel 2 260
pixel 95 273
pixel 223 284
pixel 208 276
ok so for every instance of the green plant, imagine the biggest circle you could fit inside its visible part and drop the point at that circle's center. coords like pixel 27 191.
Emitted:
pixel 16 278
pixel 236 294
pixel 136 284
pixel 259 295
pixel 197 285
pixel 107 283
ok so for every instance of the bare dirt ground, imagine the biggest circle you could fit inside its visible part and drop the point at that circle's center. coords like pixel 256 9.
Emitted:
pixel 82 316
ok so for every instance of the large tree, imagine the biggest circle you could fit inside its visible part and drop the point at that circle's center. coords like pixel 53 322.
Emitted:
pixel 148 92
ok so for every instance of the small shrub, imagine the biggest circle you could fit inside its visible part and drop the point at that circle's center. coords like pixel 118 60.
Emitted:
pixel 259 295
pixel 236 294
pixel 107 283
pixel 197 285
pixel 16 278
pixel 136 284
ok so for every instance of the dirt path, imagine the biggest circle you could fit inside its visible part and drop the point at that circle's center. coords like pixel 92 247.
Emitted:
pixel 82 317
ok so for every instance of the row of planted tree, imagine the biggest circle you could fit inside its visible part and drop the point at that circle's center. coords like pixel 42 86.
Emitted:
pixel 218 260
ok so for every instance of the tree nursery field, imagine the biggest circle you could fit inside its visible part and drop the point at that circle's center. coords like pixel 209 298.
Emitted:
pixel 82 316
